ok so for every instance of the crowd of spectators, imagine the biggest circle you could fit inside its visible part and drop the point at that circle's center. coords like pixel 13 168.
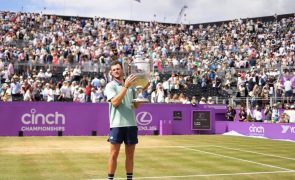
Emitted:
pixel 242 58
pixel 272 114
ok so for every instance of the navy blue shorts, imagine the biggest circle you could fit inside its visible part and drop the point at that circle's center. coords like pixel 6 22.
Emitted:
pixel 128 135
pixel 289 93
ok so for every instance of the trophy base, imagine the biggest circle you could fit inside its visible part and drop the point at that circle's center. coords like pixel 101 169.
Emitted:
pixel 141 100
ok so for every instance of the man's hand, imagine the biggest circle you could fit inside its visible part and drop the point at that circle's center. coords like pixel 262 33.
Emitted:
pixel 130 79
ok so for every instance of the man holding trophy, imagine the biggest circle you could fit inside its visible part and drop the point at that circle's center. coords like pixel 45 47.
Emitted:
pixel 123 128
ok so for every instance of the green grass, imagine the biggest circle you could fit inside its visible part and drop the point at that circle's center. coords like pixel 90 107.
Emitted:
pixel 165 157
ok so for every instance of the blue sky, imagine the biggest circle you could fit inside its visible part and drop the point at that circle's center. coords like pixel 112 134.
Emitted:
pixel 198 11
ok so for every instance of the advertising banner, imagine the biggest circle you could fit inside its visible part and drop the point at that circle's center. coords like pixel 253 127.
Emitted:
pixel 84 119
pixel 50 118
pixel 268 130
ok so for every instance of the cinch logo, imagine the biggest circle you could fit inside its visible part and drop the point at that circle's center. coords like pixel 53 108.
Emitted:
pixel 144 118
pixel 285 129
pixel 255 129
pixel 38 118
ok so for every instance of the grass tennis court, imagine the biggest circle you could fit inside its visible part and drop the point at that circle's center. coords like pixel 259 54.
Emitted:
pixel 156 157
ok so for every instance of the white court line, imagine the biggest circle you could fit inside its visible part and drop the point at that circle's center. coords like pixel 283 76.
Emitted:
pixel 184 147
pixel 92 148
pixel 271 155
pixel 207 175
pixel 254 162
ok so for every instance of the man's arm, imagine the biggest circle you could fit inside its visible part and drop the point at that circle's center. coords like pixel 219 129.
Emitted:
pixel 117 99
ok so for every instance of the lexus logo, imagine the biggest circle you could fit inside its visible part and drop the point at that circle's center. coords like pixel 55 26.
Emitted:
pixel 144 118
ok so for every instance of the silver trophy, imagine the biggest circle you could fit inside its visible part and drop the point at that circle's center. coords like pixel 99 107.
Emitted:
pixel 142 71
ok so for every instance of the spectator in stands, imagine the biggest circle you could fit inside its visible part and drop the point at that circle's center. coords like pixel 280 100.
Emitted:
pixel 76 93
pixel 28 96
pixel 242 91
pixel 156 80
pixel 216 85
pixel 1 62
pixel 182 98
pixel 210 100
pixel 87 92
pixel 265 95
pixel 48 74
pixel 243 114
pixel 175 98
pixel 15 89
pixel 6 93
pixel 266 50
pixel 168 98
pixel 66 72
pixel 203 83
pixel 45 92
pixel 279 88
pixel 230 113
pixel 84 81
pixel 257 114
pixel 166 85
pixel 140 93
pixel 275 113
pixel 77 73
pixel 96 95
pixel 37 92
pixel 288 87
pixel 158 95
pixel 284 118
pixel 286 106
pixel 4 75
pixel 267 113
pixel 10 69
pixel 41 75
pixel 57 93
pixel 194 101
pixel 95 82
pixel 203 101
pixel 253 98
pixel 65 92
pixel 186 100
pixel 81 96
